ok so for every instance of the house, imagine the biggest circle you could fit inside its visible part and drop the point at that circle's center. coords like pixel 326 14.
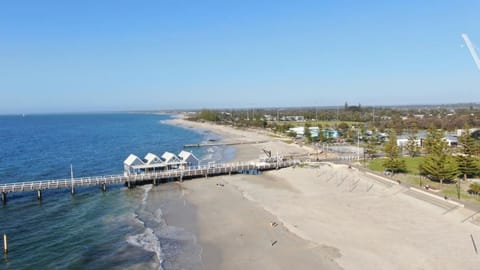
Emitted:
pixel 268 117
pixel 189 159
pixel 152 159
pixel 329 133
pixel 451 140
pixel 130 163
pixel 298 118
pixel 171 160
pixel 314 132
pixel 402 140
pixel 299 131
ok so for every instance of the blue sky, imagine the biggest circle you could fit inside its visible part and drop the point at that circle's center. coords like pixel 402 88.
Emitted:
pixel 80 56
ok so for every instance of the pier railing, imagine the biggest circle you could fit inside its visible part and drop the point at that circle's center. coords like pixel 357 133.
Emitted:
pixel 133 179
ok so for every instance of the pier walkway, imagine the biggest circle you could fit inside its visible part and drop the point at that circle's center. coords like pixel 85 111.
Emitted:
pixel 136 179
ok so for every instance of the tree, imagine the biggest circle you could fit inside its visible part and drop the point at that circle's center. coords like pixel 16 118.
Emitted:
pixel 343 127
pixel 321 135
pixel 475 188
pixel 439 165
pixel 412 147
pixel 307 133
pixel 371 148
pixel 467 165
pixel 433 136
pixel 291 134
pixel 208 115
pixel 393 160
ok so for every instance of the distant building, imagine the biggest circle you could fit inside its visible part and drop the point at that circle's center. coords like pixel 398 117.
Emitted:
pixel 268 117
pixel 474 132
pixel 329 133
pixel 298 118
pixel 402 140
pixel 298 131
pixel 451 140
pixel 315 132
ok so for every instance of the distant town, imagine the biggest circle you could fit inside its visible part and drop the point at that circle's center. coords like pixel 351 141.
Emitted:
pixel 434 146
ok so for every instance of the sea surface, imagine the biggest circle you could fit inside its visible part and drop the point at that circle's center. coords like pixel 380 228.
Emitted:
pixel 117 229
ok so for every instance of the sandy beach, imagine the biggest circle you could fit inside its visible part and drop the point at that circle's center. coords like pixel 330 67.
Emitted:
pixel 323 217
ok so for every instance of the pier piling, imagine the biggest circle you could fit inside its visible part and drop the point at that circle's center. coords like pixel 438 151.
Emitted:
pixel 4 197
pixel 104 187
pixel 39 195
pixel 5 243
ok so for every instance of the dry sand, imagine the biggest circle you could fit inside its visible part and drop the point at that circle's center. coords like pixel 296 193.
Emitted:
pixel 329 217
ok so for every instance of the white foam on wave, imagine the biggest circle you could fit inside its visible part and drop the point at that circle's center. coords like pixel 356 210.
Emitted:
pixel 207 157
pixel 147 240
pixel 146 189
pixel 167 242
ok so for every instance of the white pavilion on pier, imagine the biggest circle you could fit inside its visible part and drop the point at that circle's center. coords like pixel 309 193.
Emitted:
pixel 152 163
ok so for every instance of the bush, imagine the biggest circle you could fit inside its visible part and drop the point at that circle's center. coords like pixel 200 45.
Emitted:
pixel 474 188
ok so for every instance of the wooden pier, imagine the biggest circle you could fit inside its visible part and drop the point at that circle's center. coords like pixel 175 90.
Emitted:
pixel 136 179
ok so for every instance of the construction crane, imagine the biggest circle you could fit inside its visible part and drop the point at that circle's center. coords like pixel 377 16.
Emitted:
pixel 471 48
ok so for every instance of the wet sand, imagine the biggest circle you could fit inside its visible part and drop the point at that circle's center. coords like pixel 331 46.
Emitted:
pixel 236 233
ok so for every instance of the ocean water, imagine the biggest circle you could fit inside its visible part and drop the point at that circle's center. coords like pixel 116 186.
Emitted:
pixel 117 229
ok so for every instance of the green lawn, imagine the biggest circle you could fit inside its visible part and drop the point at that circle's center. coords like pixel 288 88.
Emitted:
pixel 412 177
pixel 412 164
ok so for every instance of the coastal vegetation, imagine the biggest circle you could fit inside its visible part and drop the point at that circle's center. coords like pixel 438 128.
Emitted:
pixel 425 157
pixel 393 162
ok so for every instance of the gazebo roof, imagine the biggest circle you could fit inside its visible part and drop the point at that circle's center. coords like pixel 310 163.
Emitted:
pixel 152 158
pixel 133 160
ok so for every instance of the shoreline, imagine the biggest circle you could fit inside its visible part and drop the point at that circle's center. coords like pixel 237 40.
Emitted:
pixel 239 247
pixel 337 214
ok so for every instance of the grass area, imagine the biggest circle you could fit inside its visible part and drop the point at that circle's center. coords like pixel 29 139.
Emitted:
pixel 412 177
pixel 376 165
pixel 447 189
pixel 276 136
pixel 411 163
